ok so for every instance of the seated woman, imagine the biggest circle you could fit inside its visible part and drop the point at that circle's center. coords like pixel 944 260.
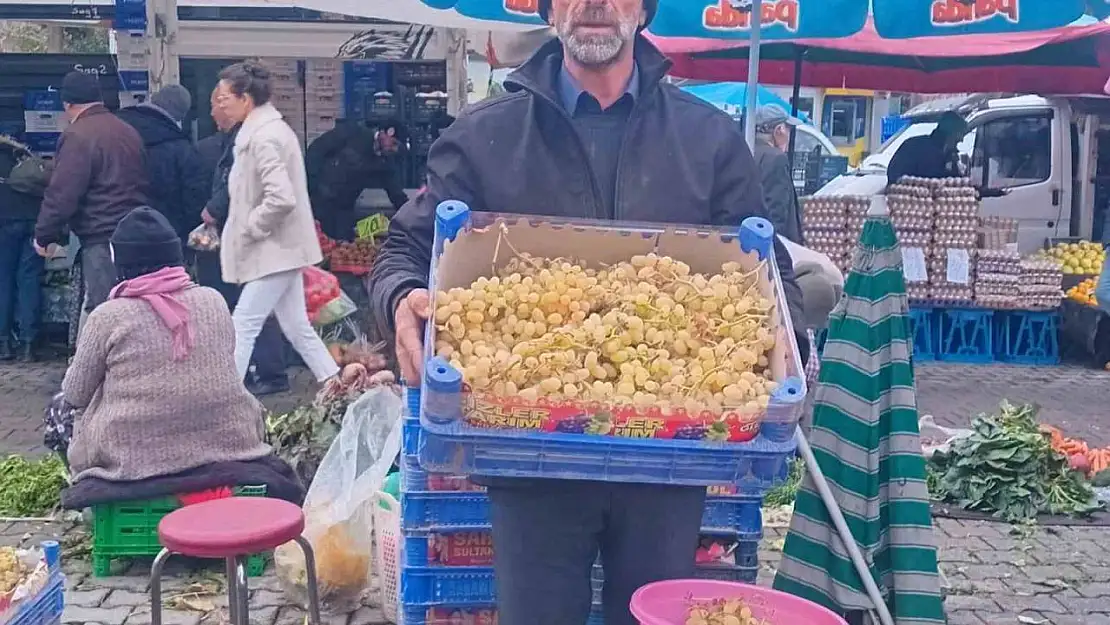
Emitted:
pixel 155 379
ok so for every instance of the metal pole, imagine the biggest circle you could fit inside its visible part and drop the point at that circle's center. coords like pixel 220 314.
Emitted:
pixel 797 93
pixel 753 73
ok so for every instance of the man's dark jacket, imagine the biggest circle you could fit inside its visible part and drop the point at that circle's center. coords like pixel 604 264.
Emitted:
pixel 923 156
pixel 217 156
pixel 779 195
pixel 99 176
pixel 683 161
pixel 178 185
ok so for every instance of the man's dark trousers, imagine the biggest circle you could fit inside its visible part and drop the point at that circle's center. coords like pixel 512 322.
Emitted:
pixel 99 273
pixel 645 533
pixel 21 270
pixel 269 350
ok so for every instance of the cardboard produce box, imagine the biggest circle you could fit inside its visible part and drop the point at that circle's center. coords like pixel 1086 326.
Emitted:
pixel 493 242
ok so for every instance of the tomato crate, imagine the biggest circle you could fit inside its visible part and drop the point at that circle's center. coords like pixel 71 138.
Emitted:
pixel 515 436
pixel 129 529
pixel 47 606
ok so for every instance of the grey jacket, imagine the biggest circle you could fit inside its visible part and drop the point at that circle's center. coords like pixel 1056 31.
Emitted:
pixel 779 195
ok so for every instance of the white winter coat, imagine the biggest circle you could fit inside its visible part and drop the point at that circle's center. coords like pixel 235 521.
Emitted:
pixel 270 227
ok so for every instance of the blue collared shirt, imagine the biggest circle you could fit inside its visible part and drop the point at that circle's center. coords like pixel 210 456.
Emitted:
pixel 600 131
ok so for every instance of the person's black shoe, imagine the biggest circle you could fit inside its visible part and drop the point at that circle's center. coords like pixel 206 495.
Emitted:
pixel 27 353
pixel 6 352
pixel 269 387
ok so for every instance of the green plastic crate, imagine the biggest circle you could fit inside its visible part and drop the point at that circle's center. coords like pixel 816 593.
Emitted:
pixel 130 529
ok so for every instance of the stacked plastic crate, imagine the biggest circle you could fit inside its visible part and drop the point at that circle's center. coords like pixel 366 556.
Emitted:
pixel 447 567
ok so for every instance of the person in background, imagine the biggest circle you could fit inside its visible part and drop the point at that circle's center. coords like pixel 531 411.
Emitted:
pixel 932 155
pixel 343 162
pixel 588 130
pixel 178 184
pixel 772 140
pixel 268 375
pixel 21 268
pixel 99 176
pixel 269 237
pixel 153 373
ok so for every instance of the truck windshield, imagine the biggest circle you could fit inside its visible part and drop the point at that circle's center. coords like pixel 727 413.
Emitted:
pixel 878 161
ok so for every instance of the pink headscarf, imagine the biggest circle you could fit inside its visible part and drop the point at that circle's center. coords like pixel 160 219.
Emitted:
pixel 160 290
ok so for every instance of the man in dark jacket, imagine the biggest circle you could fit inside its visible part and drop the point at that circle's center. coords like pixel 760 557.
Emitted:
pixel 930 156
pixel 586 129
pixel 772 140
pixel 178 184
pixel 20 267
pixel 343 162
pixel 216 158
pixel 99 176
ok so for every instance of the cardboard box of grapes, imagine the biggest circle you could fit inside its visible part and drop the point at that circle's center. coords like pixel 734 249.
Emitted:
pixel 642 331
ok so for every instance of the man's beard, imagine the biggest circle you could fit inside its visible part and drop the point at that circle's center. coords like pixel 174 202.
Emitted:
pixel 595 49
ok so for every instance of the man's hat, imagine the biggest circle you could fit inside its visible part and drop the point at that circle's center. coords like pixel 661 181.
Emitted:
pixel 770 115
pixel 650 6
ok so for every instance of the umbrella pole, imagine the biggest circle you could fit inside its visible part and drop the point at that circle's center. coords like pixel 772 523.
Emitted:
pixel 794 96
pixel 841 525
pixel 756 20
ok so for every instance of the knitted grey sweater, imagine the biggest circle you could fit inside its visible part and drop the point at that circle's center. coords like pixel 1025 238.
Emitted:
pixel 147 415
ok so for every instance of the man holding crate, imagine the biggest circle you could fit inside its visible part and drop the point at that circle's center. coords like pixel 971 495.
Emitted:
pixel 586 129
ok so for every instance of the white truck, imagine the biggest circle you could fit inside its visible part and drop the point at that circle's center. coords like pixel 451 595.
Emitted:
pixel 1036 158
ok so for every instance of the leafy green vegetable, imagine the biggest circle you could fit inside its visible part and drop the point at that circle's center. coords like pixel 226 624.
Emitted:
pixel 1007 467
pixel 31 487
pixel 785 493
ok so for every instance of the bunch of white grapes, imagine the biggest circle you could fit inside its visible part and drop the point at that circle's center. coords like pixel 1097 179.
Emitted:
pixel 12 570
pixel 645 332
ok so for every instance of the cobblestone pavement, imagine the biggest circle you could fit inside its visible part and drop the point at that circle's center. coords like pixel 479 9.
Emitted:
pixel 1045 576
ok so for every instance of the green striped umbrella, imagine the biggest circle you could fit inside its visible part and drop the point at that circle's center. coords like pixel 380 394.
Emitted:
pixel 866 442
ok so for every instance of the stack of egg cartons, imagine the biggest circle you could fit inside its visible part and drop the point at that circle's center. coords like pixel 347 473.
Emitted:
pixel 447 562
pixel 323 96
pixel 912 214
pixel 287 93
pixel 823 222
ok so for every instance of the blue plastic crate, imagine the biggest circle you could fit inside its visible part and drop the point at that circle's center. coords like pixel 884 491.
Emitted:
pixel 923 329
pixel 756 466
pixel 444 511
pixel 417 548
pixel 456 447
pixel 421 615
pixel 734 516
pixel 416 480
pixel 891 124
pixel 454 585
pixel 1028 337
pixel 410 437
pixel 47 607
pixel 596 617
pixel 743 574
pixel 967 335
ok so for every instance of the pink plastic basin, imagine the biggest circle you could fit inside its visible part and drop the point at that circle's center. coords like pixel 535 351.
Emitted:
pixel 668 603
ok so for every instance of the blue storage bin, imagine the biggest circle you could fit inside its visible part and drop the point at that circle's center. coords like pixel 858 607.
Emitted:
pixel 455 447
pixel 596 617
pixel 1028 337
pixel 923 329
pixel 966 335
pixel 417 548
pixel 417 480
pixel 447 585
pixel 47 606
pixel 421 615
pixel 444 511
pixel 741 517
pixel 743 574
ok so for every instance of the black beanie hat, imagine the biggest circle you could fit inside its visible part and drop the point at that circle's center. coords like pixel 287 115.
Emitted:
pixel 650 7
pixel 144 242
pixel 80 88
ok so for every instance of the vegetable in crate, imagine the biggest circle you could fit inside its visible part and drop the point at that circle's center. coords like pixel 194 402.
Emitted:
pixel 645 333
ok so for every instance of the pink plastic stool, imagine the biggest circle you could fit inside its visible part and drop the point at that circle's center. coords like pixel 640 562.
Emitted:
pixel 668 603
pixel 232 529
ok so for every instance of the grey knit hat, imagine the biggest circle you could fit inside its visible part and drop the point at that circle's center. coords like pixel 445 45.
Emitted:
pixel 174 100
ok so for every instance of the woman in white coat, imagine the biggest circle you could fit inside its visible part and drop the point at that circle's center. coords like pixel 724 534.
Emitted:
pixel 269 238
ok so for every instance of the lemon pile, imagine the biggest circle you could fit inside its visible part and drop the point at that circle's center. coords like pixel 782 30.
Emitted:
pixel 1082 258
pixel 1084 292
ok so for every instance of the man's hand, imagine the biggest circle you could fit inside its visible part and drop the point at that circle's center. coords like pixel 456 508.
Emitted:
pixel 207 217
pixel 409 320
pixel 45 252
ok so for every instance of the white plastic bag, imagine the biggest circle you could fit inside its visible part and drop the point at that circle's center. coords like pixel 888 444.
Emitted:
pixel 339 508
pixel 204 238
pixel 936 438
